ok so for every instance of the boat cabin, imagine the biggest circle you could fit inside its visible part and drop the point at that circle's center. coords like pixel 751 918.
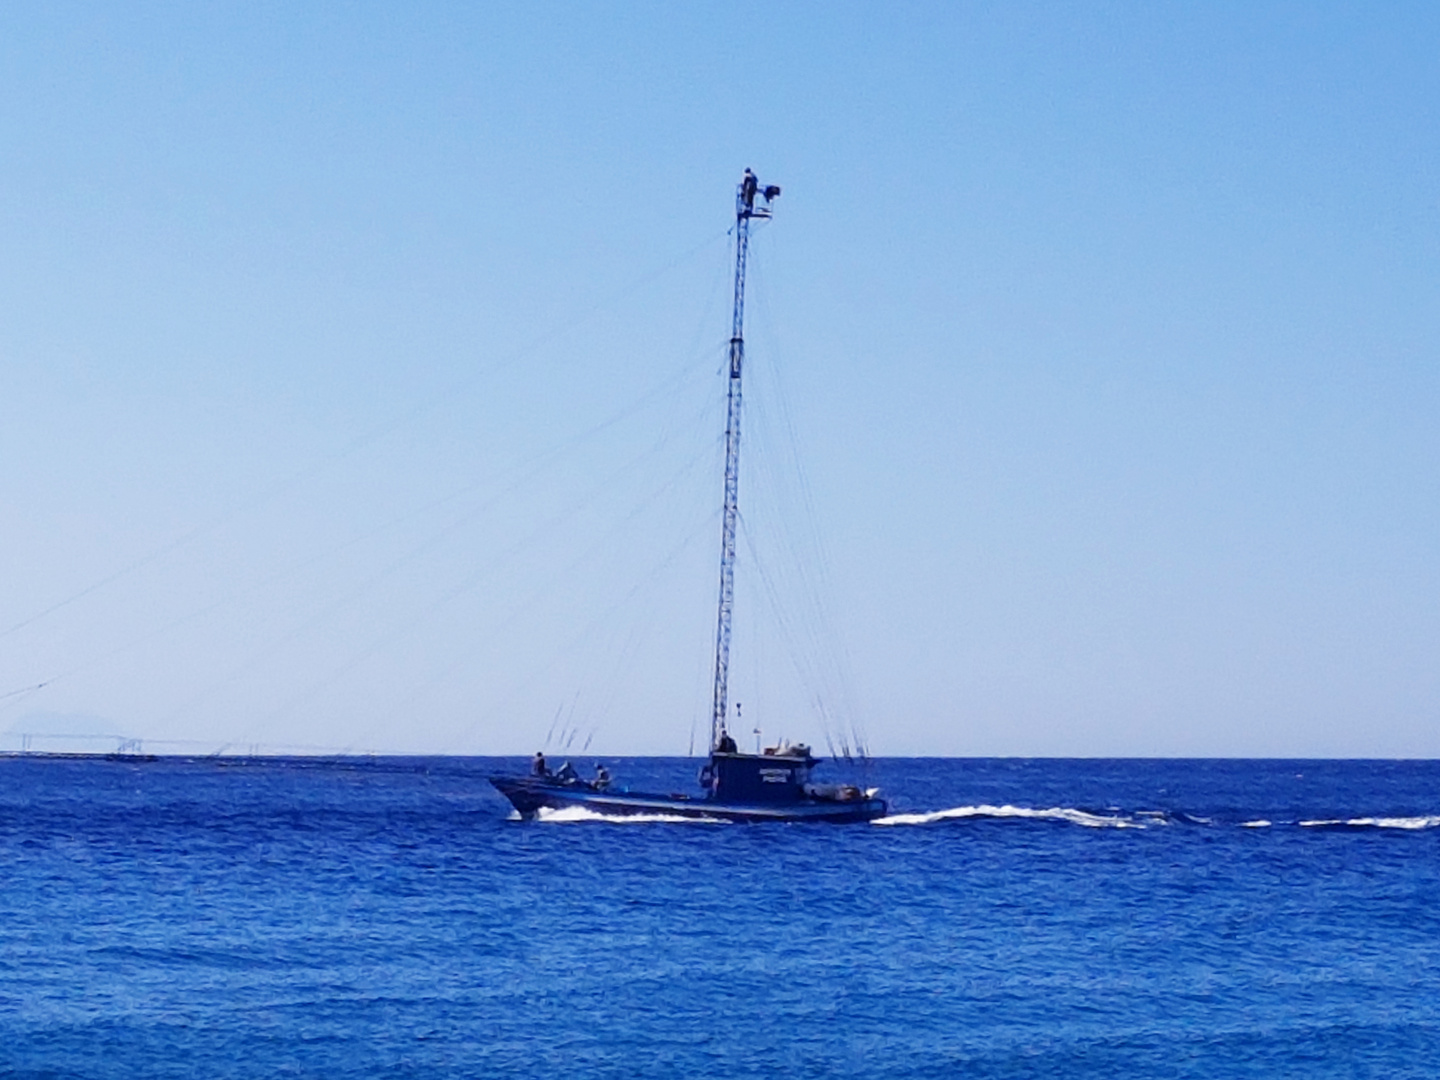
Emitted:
pixel 779 775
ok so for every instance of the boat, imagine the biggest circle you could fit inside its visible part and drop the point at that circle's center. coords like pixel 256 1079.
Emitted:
pixel 773 784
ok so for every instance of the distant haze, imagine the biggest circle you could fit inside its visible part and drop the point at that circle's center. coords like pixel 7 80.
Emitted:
pixel 362 376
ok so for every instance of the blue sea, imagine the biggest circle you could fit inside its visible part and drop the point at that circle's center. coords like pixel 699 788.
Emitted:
pixel 1011 918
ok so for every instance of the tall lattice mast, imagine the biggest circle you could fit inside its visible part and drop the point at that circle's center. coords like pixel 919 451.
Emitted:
pixel 745 210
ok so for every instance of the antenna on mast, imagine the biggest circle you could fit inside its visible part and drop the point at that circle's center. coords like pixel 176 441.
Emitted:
pixel 745 211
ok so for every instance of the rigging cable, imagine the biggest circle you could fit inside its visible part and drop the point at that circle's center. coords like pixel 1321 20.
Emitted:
pixel 517 547
pixel 533 468
pixel 361 441
pixel 817 650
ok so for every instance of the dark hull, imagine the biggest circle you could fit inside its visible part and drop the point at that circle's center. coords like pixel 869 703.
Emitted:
pixel 530 794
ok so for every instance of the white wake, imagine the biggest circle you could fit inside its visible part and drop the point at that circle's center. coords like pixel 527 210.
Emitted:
pixel 572 815
pixel 1054 813
pixel 1428 822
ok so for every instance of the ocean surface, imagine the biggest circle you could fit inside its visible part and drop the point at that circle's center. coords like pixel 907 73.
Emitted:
pixel 1011 918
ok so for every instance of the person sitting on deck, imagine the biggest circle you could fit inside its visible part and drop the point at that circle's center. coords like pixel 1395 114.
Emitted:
pixel 538 766
pixel 602 777
pixel 726 745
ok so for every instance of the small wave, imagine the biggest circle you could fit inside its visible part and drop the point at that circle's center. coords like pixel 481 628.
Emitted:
pixel 1258 823
pixel 572 814
pixel 1412 823
pixel 1054 813
pixel 1180 816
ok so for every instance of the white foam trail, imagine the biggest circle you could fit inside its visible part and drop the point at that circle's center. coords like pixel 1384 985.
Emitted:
pixel 1428 822
pixel 1258 823
pixel 1054 813
pixel 571 815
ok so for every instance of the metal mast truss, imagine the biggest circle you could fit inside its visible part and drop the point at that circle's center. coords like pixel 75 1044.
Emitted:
pixel 745 212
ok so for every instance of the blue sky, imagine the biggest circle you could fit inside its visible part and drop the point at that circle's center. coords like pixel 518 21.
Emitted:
pixel 360 375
